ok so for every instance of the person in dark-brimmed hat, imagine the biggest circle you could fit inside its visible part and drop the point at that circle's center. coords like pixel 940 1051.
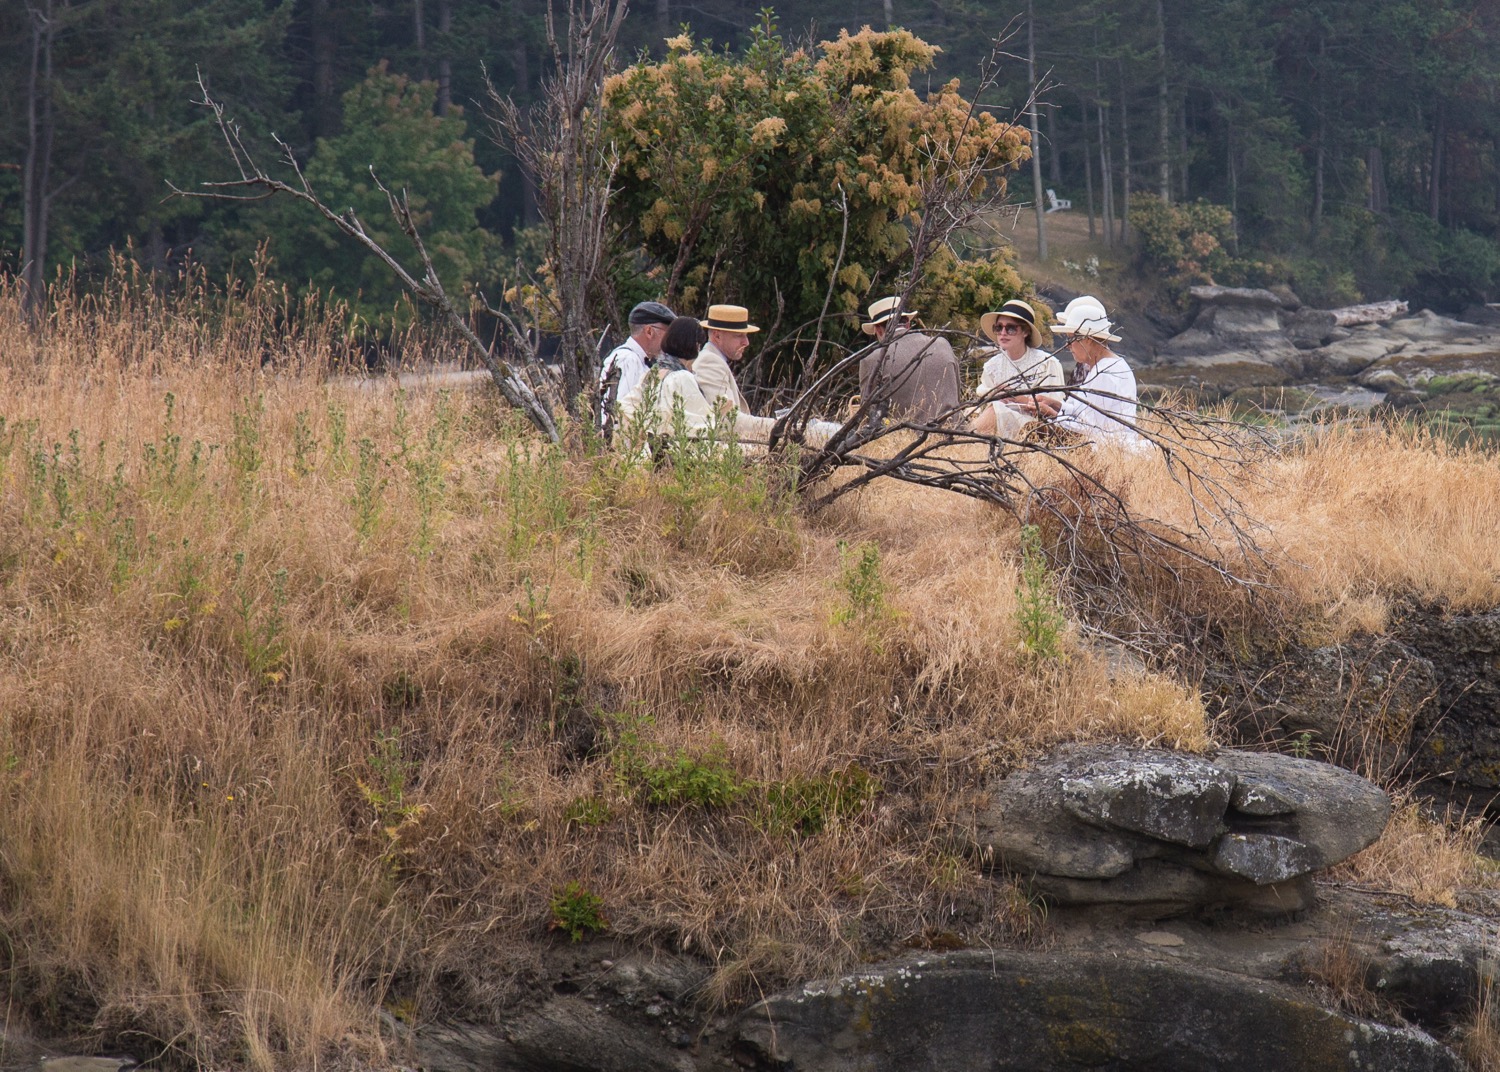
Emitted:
pixel 627 363
pixel 729 330
pixel 1020 364
pixel 913 374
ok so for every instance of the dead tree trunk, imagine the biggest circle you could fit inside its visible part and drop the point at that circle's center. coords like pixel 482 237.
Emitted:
pixel 1106 176
pixel 1088 168
pixel 1036 138
pixel 1125 163
pixel 1435 184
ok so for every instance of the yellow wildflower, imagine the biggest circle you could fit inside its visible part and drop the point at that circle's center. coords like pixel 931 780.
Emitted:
pixel 768 130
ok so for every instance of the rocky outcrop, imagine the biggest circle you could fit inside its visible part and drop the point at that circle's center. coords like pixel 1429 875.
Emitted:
pixel 1422 701
pixel 601 1015
pixel 1235 325
pixel 1163 833
pixel 1455 738
pixel 1041 1012
pixel 1245 339
pixel 1355 703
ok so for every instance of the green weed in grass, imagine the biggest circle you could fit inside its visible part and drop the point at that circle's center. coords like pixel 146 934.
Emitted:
pixel 576 911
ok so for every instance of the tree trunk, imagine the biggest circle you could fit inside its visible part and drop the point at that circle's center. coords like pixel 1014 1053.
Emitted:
pixel 38 165
pixel 1106 176
pixel 1164 116
pixel 1054 157
pixel 419 32
pixel 325 49
pixel 1088 168
pixel 663 24
pixel 1182 149
pixel 1124 163
pixel 1435 185
pixel 521 64
pixel 1318 165
pixel 445 56
pixel 1375 165
pixel 1036 141
pixel 1234 191
pixel 890 15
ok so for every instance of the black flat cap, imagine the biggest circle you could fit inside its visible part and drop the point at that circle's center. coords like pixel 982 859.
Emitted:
pixel 651 312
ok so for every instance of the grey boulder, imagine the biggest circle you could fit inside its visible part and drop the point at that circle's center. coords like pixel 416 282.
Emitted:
pixel 1166 833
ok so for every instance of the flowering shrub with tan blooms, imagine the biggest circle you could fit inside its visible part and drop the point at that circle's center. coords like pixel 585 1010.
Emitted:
pixel 734 173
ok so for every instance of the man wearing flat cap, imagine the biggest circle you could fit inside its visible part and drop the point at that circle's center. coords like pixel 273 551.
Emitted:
pixel 729 331
pixel 627 363
pixel 915 375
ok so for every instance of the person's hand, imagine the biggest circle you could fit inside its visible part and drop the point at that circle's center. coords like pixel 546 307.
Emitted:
pixel 1043 406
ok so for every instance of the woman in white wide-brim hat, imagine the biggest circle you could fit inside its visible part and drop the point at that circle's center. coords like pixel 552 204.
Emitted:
pixel 1101 403
pixel 1019 365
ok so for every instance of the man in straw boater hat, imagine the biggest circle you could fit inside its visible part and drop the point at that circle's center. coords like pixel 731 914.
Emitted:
pixel 627 363
pixel 729 331
pixel 1019 365
pixel 913 374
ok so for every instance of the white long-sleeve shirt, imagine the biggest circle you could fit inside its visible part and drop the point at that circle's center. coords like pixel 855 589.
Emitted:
pixel 630 358
pixel 1103 405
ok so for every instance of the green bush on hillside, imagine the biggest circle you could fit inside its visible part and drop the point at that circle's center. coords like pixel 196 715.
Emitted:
pixel 1190 244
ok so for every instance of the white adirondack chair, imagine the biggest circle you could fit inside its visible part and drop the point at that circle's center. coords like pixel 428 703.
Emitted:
pixel 1057 204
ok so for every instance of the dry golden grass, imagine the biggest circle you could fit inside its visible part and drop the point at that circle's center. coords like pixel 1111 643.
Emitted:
pixel 1479 1042
pixel 314 695
pixel 1429 860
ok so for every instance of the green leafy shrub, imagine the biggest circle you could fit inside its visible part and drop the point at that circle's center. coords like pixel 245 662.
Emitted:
pixel 748 194
pixel 687 780
pixel 1191 243
pixel 389 126
pixel 860 582
pixel 576 911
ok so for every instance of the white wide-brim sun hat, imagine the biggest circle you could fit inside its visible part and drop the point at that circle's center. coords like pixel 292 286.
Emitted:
pixel 1085 316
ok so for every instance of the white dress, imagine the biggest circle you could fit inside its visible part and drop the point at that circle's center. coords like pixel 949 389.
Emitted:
pixel 1036 368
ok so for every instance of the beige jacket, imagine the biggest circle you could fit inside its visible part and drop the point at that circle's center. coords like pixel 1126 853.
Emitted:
pixel 657 397
pixel 716 379
pixel 915 371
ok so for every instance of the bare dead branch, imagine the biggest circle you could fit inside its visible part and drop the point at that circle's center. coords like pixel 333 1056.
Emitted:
pixel 428 290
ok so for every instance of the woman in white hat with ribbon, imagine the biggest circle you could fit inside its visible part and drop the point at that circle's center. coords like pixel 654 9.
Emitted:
pixel 1101 403
pixel 1019 365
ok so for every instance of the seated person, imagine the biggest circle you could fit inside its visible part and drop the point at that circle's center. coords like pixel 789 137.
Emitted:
pixel 1019 365
pixel 912 373
pixel 652 403
pixel 1101 402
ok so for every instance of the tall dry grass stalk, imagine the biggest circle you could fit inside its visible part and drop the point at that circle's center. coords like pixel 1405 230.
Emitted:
pixel 315 693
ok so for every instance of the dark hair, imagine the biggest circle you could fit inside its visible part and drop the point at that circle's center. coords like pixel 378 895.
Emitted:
pixel 684 338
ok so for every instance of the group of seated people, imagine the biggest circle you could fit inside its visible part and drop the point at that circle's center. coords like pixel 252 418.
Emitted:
pixel 674 374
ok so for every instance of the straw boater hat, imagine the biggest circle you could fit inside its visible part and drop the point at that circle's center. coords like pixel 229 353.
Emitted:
pixel 1016 310
pixel 882 311
pixel 735 318
pixel 1086 316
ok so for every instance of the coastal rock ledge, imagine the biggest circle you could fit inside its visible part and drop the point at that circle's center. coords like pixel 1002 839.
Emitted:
pixel 1006 1010
pixel 1163 833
